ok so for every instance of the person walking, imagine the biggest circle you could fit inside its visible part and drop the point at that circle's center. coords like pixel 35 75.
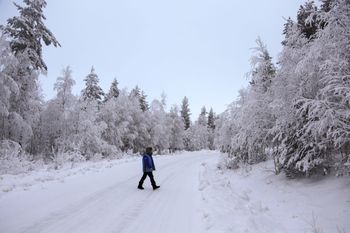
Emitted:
pixel 148 168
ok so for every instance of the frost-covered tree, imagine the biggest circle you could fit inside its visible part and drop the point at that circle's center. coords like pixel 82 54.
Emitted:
pixel 177 129
pixel 320 130
pixel 55 124
pixel 92 90
pixel 13 125
pixel 211 119
pixel 8 85
pixel 227 128
pixel 63 86
pixel 185 113
pixel 139 136
pixel 306 19
pixel 198 133
pixel 86 139
pixel 143 102
pixel 202 119
pixel 254 118
pixel 113 90
pixel 27 32
pixel 141 96
pixel 332 106
pixel 263 70
pixel 160 130
pixel 287 88
pixel 211 129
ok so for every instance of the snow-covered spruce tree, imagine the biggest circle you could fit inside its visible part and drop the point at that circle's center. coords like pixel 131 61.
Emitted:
pixel 143 101
pixel 332 107
pixel 211 129
pixel 86 138
pixel 185 113
pixel 311 130
pixel 287 88
pixel 113 91
pixel 127 125
pixel 211 119
pixel 255 118
pixel 201 135
pixel 26 33
pixel 92 90
pixel 177 129
pixel 307 20
pixel 141 96
pixel 323 107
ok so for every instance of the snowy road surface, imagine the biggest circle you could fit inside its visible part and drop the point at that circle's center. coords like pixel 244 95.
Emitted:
pixel 195 197
pixel 108 201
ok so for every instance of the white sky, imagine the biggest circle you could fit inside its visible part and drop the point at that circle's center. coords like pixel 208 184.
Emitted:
pixel 194 48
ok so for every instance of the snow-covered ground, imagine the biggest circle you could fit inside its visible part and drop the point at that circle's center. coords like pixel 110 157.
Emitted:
pixel 195 196
pixel 254 200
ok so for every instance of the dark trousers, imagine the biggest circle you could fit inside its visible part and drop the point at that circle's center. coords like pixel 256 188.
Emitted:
pixel 145 174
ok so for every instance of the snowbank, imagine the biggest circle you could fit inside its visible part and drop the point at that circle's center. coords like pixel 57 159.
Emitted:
pixel 253 199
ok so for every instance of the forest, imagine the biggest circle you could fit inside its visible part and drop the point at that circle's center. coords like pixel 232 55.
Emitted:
pixel 295 111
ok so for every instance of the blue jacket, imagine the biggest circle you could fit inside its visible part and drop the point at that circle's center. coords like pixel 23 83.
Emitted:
pixel 147 163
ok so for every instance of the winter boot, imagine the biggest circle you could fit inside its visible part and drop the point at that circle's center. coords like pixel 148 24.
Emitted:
pixel 156 187
pixel 140 187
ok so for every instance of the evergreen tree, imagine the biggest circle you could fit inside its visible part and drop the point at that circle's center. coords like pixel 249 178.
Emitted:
pixel 211 129
pixel 263 68
pixel 286 30
pixel 287 87
pixel 326 5
pixel 141 97
pixel 92 90
pixel 211 119
pixel 321 131
pixel 185 113
pixel 253 117
pixel 113 90
pixel 27 32
pixel 136 92
pixel 307 25
pixel 143 102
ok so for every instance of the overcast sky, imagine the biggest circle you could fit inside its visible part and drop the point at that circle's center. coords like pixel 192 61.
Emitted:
pixel 194 48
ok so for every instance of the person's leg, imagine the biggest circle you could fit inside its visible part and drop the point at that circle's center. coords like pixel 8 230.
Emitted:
pixel 153 182
pixel 142 179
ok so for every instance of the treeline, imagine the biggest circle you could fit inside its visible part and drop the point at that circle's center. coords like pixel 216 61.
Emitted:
pixel 91 125
pixel 298 110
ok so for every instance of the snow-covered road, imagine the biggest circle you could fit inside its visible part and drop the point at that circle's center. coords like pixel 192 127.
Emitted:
pixel 195 197
pixel 107 200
